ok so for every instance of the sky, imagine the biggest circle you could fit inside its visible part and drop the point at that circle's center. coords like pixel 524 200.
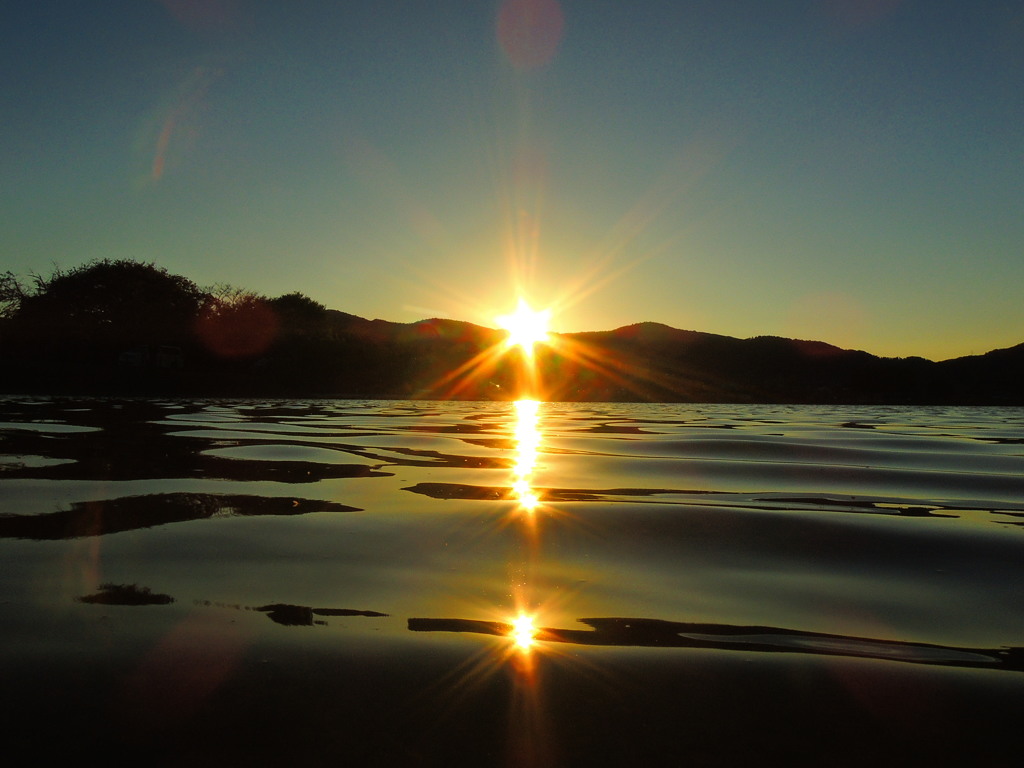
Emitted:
pixel 850 171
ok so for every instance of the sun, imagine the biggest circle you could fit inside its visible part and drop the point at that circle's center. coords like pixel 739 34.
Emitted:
pixel 526 326
pixel 523 632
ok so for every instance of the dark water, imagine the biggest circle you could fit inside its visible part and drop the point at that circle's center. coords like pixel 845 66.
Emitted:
pixel 331 581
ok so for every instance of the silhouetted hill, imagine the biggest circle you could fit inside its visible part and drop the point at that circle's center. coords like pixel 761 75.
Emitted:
pixel 121 327
pixel 449 359
pixel 657 362
pixel 669 364
pixel 996 376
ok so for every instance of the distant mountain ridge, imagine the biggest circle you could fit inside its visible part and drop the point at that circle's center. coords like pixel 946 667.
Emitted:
pixel 685 365
pixel 651 361
pixel 129 328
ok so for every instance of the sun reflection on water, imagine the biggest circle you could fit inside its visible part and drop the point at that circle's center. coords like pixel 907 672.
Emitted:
pixel 528 439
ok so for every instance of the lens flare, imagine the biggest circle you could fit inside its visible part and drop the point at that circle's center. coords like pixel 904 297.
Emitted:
pixel 529 31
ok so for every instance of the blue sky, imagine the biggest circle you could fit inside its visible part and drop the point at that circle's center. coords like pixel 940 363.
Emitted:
pixel 843 170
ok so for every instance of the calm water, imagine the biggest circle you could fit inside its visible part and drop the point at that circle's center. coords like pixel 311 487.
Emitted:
pixel 719 584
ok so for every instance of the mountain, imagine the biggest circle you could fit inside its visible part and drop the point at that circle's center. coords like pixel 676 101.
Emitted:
pixel 995 377
pixel 650 361
pixel 320 352
pixel 443 359
pixel 127 327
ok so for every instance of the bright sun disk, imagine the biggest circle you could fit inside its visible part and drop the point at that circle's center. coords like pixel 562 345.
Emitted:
pixel 523 631
pixel 526 326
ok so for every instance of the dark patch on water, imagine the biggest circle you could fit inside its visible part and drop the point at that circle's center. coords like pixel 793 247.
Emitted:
pixel 693 497
pixel 498 493
pixel 128 513
pixel 617 429
pixel 302 616
pixel 448 429
pixel 657 633
pixel 126 594
pixel 427 458
pixel 124 449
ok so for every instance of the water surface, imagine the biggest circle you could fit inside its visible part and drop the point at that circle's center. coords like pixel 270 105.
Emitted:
pixel 280 566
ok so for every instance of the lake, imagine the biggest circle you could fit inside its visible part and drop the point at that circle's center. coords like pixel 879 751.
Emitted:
pixel 466 583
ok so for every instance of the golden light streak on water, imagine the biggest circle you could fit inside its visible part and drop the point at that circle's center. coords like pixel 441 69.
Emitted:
pixel 528 439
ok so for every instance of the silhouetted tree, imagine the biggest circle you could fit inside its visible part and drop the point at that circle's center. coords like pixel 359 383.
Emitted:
pixel 102 308
pixel 299 314
pixel 11 294
pixel 235 323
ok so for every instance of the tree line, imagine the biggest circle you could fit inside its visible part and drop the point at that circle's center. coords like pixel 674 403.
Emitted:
pixel 123 326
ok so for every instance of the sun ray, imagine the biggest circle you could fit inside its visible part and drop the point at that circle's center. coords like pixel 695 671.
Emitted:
pixel 458 380
pixel 644 383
